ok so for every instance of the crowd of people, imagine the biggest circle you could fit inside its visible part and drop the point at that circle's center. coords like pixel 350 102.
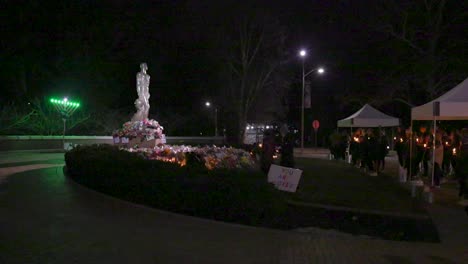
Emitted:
pixel 367 148
pixel 450 155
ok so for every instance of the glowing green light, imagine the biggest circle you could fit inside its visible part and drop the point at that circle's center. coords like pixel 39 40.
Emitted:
pixel 65 102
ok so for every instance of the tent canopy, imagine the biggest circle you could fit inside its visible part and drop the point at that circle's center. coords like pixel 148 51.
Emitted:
pixel 368 116
pixel 453 105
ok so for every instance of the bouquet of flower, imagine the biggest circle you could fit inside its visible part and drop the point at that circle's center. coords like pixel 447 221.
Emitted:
pixel 146 128
pixel 212 157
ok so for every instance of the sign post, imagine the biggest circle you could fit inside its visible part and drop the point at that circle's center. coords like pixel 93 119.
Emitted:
pixel 315 125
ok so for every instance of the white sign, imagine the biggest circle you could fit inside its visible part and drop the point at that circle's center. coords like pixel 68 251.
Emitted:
pixel 124 140
pixel 116 140
pixel 284 178
pixel 148 138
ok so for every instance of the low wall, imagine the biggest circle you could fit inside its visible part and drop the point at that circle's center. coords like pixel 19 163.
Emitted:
pixel 8 143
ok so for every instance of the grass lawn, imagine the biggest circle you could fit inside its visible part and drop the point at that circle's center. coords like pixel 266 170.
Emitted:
pixel 336 183
pixel 327 183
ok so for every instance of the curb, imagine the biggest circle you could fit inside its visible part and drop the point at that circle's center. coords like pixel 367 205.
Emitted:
pixel 356 210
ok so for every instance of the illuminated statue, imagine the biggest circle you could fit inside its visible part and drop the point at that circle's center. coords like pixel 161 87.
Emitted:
pixel 142 103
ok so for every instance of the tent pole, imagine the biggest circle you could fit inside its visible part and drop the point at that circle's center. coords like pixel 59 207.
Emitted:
pixel 433 149
pixel 411 152
pixel 392 140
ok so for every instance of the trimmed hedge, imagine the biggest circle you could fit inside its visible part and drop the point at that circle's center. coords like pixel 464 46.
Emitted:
pixel 241 196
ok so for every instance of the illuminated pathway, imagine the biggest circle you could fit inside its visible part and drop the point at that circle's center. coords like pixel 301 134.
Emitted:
pixel 47 218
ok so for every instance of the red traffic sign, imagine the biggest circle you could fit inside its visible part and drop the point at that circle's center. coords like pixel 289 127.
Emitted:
pixel 315 124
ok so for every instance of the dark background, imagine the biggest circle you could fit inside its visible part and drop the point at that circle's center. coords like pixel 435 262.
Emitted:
pixel 392 54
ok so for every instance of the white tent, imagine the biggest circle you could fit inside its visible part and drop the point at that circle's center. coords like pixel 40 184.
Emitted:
pixel 368 116
pixel 453 105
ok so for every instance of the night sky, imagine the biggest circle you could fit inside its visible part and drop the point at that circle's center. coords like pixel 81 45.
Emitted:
pixel 91 50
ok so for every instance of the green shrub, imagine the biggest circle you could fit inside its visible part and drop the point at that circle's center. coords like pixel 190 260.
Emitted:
pixel 241 196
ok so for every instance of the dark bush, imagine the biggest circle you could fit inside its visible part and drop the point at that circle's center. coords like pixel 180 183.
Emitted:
pixel 241 196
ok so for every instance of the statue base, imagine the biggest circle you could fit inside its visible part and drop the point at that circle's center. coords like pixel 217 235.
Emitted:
pixel 138 142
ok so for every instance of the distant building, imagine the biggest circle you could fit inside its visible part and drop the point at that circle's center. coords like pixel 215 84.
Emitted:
pixel 254 132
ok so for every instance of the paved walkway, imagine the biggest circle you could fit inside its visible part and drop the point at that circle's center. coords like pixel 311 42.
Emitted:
pixel 47 218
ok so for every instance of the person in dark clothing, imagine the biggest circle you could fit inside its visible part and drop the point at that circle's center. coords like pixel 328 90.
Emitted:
pixel 268 149
pixel 461 167
pixel 382 152
pixel 426 147
pixel 400 149
pixel 336 145
pixel 438 155
pixel 342 146
pixel 447 154
pixel 411 158
pixel 362 151
pixel 354 150
pixel 457 143
pixel 370 147
pixel 287 151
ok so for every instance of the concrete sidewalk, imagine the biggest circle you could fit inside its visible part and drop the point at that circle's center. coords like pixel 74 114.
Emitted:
pixel 47 218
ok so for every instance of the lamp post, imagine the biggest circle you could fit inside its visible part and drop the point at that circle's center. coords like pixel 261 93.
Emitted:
pixel 303 54
pixel 208 104
pixel 66 108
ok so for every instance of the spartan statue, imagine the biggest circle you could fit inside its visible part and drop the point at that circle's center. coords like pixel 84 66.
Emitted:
pixel 142 103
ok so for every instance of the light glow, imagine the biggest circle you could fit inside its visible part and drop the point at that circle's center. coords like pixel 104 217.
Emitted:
pixel 302 53
pixel 321 70
pixel 64 102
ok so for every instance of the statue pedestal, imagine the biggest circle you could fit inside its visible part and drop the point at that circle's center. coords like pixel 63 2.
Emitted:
pixel 142 142
pixel 138 142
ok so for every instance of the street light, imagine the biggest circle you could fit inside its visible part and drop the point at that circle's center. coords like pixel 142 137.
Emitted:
pixel 303 54
pixel 208 104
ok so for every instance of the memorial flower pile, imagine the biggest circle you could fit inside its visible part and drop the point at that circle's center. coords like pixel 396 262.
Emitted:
pixel 212 157
pixel 146 128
